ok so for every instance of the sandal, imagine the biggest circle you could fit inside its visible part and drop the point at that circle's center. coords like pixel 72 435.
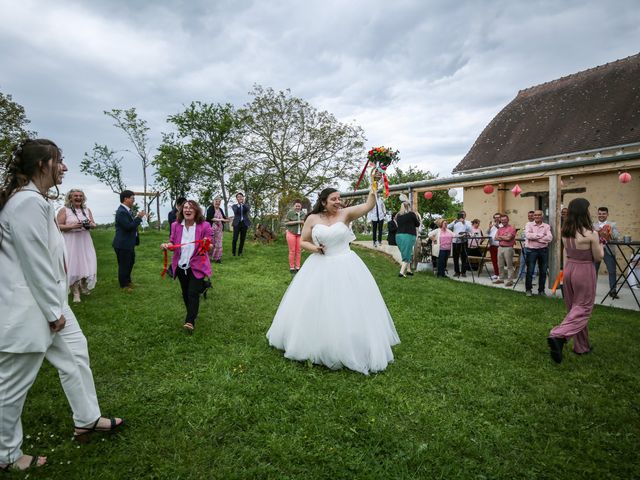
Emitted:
pixel 85 435
pixel 34 463
pixel 188 327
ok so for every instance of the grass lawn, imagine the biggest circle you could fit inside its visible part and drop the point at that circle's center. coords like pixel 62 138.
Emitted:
pixel 472 393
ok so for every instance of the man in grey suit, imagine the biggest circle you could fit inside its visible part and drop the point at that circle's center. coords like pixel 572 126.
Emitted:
pixel 607 231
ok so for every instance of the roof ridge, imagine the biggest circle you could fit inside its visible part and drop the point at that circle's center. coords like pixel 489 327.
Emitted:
pixel 581 73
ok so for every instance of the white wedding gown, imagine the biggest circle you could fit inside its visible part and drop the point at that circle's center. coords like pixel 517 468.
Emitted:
pixel 333 313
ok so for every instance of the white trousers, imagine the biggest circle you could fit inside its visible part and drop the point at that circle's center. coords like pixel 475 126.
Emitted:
pixel 69 354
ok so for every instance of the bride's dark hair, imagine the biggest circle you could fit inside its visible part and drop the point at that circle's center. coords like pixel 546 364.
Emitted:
pixel 322 198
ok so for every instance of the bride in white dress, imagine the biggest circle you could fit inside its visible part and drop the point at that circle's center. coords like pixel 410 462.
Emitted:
pixel 333 313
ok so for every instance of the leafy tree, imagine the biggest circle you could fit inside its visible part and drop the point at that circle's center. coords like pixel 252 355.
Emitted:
pixel 209 133
pixel 103 164
pixel 440 204
pixel 13 122
pixel 293 147
pixel 174 170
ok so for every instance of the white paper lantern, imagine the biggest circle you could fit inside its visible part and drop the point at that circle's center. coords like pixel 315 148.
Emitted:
pixel 452 192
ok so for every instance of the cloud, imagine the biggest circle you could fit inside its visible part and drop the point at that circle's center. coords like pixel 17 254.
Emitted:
pixel 421 76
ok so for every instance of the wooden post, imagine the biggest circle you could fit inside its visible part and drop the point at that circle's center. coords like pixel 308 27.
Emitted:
pixel 555 253
pixel 501 198
pixel 158 211
pixel 414 200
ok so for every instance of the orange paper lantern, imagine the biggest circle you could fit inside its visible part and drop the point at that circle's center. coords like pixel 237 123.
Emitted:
pixel 625 177
pixel 488 189
pixel 428 195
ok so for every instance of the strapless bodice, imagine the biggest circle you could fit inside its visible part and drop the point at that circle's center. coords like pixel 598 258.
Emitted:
pixel 335 238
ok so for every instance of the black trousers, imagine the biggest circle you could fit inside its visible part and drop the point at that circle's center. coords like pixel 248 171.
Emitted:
pixel 239 230
pixel 126 259
pixel 192 287
pixel 377 229
pixel 460 254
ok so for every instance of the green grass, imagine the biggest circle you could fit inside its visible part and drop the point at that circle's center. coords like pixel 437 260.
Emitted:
pixel 472 393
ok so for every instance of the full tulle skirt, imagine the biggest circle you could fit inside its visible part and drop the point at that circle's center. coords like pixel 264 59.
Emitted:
pixel 333 314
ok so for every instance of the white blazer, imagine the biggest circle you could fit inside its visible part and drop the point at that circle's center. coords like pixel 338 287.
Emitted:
pixel 32 272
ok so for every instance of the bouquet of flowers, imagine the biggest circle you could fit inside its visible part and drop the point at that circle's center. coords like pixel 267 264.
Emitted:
pixel 379 158
pixel 382 157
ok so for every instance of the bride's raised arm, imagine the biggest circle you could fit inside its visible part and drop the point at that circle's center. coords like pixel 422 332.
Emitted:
pixel 358 211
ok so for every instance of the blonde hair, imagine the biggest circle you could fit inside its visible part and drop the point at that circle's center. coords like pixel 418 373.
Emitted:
pixel 404 208
pixel 67 198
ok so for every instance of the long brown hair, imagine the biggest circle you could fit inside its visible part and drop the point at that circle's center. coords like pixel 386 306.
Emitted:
pixel 578 218
pixel 199 218
pixel 27 159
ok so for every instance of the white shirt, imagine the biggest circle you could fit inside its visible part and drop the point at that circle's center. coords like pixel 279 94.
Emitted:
pixel 188 236
pixel 378 212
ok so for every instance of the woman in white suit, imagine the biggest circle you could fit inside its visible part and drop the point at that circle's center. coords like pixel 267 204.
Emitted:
pixel 35 318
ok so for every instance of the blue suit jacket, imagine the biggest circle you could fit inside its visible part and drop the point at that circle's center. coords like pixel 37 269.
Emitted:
pixel 126 229
pixel 245 214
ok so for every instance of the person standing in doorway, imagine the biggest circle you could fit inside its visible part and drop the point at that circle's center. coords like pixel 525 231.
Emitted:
pixel 126 238
pixel 607 230
pixel 376 216
pixel 241 223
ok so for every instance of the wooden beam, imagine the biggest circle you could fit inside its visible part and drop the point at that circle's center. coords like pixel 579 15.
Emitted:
pixel 555 250
pixel 500 194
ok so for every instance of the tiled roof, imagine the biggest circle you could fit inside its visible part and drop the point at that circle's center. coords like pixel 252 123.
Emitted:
pixel 593 109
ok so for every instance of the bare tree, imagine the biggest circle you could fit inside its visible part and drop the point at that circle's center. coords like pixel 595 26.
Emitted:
pixel 103 164
pixel 136 131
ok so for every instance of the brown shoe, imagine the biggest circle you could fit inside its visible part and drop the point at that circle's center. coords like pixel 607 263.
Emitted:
pixel 498 281
pixel 509 284
pixel 127 289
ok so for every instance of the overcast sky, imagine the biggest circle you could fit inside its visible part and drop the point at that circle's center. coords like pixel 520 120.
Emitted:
pixel 424 77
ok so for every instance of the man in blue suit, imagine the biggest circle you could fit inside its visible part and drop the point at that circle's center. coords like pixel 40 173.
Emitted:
pixel 126 238
pixel 241 223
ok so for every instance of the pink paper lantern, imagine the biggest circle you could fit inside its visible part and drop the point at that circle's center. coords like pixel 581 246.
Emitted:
pixel 428 195
pixel 625 177
pixel 488 189
pixel 516 190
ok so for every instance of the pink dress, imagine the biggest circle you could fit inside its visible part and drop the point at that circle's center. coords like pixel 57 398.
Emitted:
pixel 81 255
pixel 217 227
pixel 579 291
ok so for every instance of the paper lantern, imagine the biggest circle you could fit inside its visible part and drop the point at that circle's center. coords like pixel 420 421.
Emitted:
pixel 488 189
pixel 452 192
pixel 625 177
pixel 516 190
pixel 428 195
pixel 562 184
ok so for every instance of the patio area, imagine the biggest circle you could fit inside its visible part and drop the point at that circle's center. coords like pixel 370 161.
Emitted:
pixel 625 300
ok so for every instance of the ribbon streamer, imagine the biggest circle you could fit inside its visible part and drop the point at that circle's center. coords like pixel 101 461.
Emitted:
pixel 380 169
pixel 202 248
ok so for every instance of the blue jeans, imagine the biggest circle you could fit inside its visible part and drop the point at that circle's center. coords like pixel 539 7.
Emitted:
pixel 541 257
pixel 610 262
pixel 443 256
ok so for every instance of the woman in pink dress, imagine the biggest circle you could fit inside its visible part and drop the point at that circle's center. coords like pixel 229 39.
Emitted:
pixel 75 220
pixel 217 219
pixel 582 247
